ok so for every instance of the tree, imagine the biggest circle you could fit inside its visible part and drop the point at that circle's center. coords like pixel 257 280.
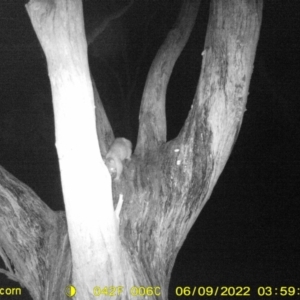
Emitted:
pixel 126 234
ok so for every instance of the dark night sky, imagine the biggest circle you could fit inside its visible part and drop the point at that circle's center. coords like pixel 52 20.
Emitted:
pixel 248 232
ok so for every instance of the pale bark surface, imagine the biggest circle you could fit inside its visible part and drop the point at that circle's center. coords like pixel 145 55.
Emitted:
pixel 86 183
pixel 164 186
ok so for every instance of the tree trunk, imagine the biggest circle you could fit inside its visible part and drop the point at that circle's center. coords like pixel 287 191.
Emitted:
pixel 164 186
pixel 86 182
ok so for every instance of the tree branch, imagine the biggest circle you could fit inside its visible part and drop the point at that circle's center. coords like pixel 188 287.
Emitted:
pixel 152 130
pixel 104 131
pixel 34 239
pixel 204 144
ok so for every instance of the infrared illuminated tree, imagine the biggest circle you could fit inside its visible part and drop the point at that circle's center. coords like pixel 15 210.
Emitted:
pixel 126 233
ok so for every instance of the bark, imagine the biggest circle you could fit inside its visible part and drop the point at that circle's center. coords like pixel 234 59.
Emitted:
pixel 34 243
pixel 153 129
pixel 86 182
pixel 165 185
pixel 177 178
pixel 104 131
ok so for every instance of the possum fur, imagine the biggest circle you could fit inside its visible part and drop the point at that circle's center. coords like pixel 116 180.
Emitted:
pixel 119 150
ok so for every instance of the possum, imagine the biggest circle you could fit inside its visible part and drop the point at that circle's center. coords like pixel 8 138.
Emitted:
pixel 120 149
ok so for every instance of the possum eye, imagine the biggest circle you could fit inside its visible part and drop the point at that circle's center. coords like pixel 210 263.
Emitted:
pixel 111 165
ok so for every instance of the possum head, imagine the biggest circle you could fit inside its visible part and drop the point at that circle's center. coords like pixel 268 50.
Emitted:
pixel 120 150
